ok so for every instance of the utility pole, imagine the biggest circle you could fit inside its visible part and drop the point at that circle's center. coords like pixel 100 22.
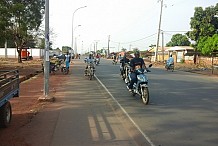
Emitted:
pixel 158 37
pixel 46 96
pixel 130 47
pixel 162 32
pixel 118 49
pixel 96 45
pixel 108 50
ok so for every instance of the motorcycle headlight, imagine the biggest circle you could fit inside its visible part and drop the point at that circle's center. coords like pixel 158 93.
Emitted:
pixel 142 78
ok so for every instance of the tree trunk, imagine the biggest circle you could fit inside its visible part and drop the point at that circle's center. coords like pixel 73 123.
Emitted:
pixel 195 56
pixel 19 54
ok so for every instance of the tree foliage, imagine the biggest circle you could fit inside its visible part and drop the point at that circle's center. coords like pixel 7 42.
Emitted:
pixel 123 49
pixel 4 20
pixel 208 44
pixel 21 20
pixel 204 25
pixel 178 40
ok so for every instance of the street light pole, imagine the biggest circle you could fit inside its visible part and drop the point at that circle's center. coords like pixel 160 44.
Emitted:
pixel 73 28
pixel 75 47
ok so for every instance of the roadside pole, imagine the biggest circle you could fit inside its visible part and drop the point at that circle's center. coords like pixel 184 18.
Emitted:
pixel 46 96
pixel 158 35
pixel 108 47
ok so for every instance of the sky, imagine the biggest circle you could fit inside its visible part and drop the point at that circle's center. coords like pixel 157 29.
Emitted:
pixel 128 23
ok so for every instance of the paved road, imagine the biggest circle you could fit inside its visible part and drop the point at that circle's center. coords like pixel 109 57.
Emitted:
pixel 83 115
pixel 183 111
pixel 183 108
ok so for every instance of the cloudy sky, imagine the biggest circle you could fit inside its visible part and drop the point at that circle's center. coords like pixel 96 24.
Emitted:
pixel 129 23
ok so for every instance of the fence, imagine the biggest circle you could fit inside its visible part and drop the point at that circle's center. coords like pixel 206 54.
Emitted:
pixel 12 52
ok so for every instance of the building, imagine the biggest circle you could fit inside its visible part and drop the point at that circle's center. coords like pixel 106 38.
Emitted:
pixel 181 53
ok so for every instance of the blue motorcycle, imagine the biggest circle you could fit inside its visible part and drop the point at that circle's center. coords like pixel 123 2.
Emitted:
pixel 140 87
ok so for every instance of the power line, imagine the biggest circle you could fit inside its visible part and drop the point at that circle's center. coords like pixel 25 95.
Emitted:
pixel 134 40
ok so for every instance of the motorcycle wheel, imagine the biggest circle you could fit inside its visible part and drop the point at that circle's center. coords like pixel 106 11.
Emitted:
pixel 91 74
pixel 145 95
pixel 133 93
pixel 124 77
pixel 172 68
pixel 64 70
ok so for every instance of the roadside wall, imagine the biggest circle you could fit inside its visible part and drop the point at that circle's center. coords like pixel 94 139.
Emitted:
pixel 204 61
pixel 12 53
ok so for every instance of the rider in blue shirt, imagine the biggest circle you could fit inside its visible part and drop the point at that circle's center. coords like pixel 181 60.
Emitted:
pixel 170 61
pixel 67 60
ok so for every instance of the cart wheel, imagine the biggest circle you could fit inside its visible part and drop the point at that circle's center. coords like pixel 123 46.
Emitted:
pixel 5 115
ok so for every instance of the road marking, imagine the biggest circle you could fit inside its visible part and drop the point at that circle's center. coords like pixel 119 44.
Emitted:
pixel 144 135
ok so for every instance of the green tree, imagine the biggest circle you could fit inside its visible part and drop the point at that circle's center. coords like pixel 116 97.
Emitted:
pixel 23 20
pixel 203 24
pixel 65 49
pixel 208 44
pixel 42 43
pixel 178 40
pixel 4 21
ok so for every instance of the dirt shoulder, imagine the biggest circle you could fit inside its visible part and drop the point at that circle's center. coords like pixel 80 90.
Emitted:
pixel 191 67
pixel 26 106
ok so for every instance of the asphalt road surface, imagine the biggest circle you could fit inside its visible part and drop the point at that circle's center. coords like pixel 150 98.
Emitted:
pixel 183 107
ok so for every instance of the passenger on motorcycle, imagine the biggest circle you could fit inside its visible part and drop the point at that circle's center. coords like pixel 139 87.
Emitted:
pixel 135 63
pixel 89 61
pixel 123 61
pixel 170 61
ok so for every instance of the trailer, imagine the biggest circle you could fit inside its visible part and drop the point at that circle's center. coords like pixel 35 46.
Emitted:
pixel 9 88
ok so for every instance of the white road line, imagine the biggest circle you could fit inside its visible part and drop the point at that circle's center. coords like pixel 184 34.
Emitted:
pixel 144 135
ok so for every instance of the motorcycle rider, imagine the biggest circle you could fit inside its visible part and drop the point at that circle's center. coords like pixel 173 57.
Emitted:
pixel 98 58
pixel 170 61
pixel 123 61
pixel 89 61
pixel 135 63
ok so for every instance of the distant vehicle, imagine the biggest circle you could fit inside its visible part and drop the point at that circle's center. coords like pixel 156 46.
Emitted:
pixel 62 56
pixel 25 54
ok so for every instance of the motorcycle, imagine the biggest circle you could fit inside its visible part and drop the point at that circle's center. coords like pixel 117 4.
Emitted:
pixel 140 87
pixel 90 71
pixel 97 61
pixel 169 67
pixel 53 66
pixel 64 70
pixel 114 62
